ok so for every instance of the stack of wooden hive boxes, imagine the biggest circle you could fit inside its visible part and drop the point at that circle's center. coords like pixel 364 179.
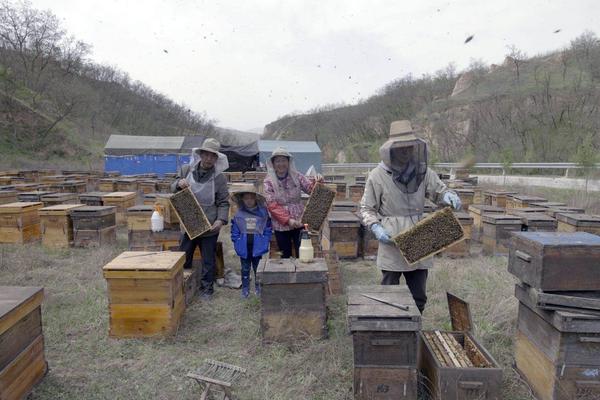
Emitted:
pixel 557 344
pixel 57 225
pixel 122 201
pixel 94 226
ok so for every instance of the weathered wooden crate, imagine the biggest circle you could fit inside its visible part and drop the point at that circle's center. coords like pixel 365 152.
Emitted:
pixel 57 225
pixel 384 341
pixel 145 293
pixel 22 360
pixel 497 229
pixel 526 210
pixel 548 204
pixel 536 222
pixel 20 222
pixel 578 223
pixel 138 218
pixel 552 211
pixel 26 187
pixel 582 302
pixel 341 233
pixel 33 196
pixel 95 237
pixel 345 205
pixel 8 196
pixel 555 363
pixel 355 192
pixel 149 199
pixel 169 214
pixel 496 198
pixel 71 186
pixel 93 217
pixel 163 186
pixel 477 211
pixel 477 195
pixel 169 239
pixel 462 248
pixel 341 191
pixel 455 365
pixel 293 300
pixel 127 185
pixel 522 201
pixel 556 261
pixel 466 197
pixel 59 198
pixel 122 201
pixel 92 198
pixel 107 185
pixel 147 186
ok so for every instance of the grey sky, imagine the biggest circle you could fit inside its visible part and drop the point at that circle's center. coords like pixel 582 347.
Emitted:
pixel 247 62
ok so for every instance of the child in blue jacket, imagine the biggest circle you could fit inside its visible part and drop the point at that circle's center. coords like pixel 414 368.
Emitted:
pixel 250 233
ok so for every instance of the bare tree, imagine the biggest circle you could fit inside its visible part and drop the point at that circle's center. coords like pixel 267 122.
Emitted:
pixel 517 58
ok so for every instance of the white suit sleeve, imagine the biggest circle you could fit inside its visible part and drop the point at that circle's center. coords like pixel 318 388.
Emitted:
pixel 369 204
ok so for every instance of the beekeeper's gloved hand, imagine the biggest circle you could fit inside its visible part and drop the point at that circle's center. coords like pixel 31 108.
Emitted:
pixel 381 234
pixel 452 199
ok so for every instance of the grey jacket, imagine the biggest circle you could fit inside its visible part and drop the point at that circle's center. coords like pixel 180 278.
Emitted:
pixel 220 209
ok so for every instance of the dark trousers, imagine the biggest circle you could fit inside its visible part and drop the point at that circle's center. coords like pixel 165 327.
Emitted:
pixel 208 248
pixel 248 263
pixel 287 239
pixel 416 281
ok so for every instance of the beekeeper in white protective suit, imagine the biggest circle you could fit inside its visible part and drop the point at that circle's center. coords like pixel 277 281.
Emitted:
pixel 204 176
pixel 395 191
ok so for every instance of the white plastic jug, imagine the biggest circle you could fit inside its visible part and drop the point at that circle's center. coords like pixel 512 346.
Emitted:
pixel 157 221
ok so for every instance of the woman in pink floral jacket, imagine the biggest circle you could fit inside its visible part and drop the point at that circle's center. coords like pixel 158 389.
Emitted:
pixel 283 187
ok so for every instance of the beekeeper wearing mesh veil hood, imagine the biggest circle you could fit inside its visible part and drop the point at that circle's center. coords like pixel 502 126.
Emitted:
pixel 395 191
pixel 204 176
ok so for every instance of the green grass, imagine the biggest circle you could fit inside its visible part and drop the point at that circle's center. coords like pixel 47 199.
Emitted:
pixel 86 364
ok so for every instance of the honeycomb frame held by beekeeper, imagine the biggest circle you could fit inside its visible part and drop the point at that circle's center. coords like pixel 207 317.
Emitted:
pixel 395 191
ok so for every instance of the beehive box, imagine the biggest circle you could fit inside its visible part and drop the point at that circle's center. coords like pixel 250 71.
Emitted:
pixel 169 214
pixel 384 340
pixel 147 186
pixel 558 364
pixel 496 198
pixel 71 186
pixel 8 196
pixel 462 248
pixel 54 199
pixel 340 191
pixel 26 187
pixel 126 185
pixel 57 225
pixel 169 239
pixel 477 195
pixel 431 235
pixel 318 207
pixel 33 196
pixel 190 213
pixel 552 211
pixel 536 222
pixel 94 226
pixel 107 185
pixel 138 218
pixel 145 293
pixel 22 360
pixel 497 229
pixel 526 210
pixel 335 284
pixel 341 233
pixel 149 199
pixel 92 198
pixel 548 204
pixel 556 261
pixel 163 186
pixel 466 197
pixel 190 284
pixel 293 300
pixel 345 205
pixel 582 302
pixel 122 201
pixel 355 192
pixel 20 222
pixel 578 223
pixel 455 365
pixel 522 200
pixel 477 211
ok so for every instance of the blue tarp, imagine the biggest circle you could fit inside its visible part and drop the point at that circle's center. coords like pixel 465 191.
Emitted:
pixel 142 164
pixel 305 153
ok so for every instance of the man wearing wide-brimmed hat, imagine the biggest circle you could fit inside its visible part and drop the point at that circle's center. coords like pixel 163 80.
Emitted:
pixel 204 176
pixel 395 191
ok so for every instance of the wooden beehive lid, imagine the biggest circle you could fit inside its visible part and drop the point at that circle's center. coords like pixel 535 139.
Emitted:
pixel 93 211
pixel 464 190
pixel 528 218
pixel 20 207
pixel 127 180
pixel 343 217
pixel 528 198
pixel 544 240
pixel 38 193
pixel 8 193
pixel 92 195
pixel 345 205
pixel 109 180
pixel 291 270
pixel 547 204
pixel 464 217
pixel 579 219
pixel 165 263
pixel 59 209
pixel 499 193
pixel 59 196
pixel 119 196
pixel 141 209
pixel 527 210
pixel 460 314
pixel 500 219
pixel 16 303
pixel 74 182
pixel 150 196
pixel 367 314
pixel 480 209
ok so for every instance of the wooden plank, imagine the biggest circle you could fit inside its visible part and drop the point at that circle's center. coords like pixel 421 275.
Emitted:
pixel 139 291
pixel 19 377
pixel 139 320
pixel 16 303
pixel 146 261
pixel 385 348
pixel 446 347
pixel 385 383
pixel 19 336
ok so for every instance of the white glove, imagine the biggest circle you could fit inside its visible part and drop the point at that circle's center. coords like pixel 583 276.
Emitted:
pixel 451 199
pixel 381 234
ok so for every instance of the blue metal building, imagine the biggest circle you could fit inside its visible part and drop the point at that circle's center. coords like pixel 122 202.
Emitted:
pixel 305 153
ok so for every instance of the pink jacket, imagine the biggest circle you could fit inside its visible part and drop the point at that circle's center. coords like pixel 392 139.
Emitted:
pixel 286 203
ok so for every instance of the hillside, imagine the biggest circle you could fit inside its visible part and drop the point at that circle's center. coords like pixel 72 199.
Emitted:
pixel 58 108
pixel 543 108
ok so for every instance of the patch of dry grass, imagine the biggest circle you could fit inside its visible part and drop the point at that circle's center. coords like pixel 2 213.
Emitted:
pixel 86 364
